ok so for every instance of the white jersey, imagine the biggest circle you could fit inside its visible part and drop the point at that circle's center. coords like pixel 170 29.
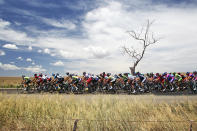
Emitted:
pixel 44 77
pixel 131 77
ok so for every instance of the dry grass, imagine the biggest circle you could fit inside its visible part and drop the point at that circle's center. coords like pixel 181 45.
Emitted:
pixel 9 82
pixel 50 112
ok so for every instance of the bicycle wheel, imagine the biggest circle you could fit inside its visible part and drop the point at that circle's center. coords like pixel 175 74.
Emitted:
pixel 20 89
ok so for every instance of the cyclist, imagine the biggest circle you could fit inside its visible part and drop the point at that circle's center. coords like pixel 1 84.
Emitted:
pixel 26 82
pixel 179 79
pixel 131 80
pixel 142 80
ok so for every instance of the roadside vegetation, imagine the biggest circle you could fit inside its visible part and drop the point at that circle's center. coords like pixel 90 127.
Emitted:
pixel 9 82
pixel 95 112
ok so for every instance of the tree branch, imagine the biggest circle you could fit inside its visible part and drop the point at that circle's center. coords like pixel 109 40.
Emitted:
pixel 147 40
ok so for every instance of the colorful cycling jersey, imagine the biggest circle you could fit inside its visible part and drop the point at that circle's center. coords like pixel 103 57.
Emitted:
pixel 142 77
pixel 160 78
pixel 195 77
pixel 178 77
pixel 26 78
pixel 44 77
pixel 124 78
pixel 131 77
pixel 75 77
pixel 170 77
pixel 110 77
pixel 89 80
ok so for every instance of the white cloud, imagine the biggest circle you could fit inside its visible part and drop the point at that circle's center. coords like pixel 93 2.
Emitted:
pixel 18 24
pixel 47 51
pixel 19 58
pixel 33 63
pixel 53 54
pixel 9 67
pixel 66 54
pixel 12 35
pixel 58 63
pixel 12 62
pixel 2 53
pixel 4 23
pixel 96 52
pixel 35 69
pixel 60 23
pixel 28 59
pixel 39 51
pixel 30 48
pixel 104 32
pixel 10 46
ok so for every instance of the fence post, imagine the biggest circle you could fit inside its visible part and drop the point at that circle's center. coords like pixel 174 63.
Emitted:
pixel 75 125
pixel 190 128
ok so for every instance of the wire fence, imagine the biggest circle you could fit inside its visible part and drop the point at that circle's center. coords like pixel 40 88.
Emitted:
pixel 76 121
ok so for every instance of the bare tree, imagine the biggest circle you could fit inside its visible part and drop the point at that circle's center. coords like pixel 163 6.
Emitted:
pixel 144 37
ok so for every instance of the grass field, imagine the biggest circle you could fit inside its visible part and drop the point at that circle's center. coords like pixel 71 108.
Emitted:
pixel 95 112
pixel 9 82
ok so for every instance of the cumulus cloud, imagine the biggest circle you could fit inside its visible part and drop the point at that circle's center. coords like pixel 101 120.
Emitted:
pixel 10 46
pixel 12 35
pixel 9 67
pixel 35 69
pixel 2 53
pixel 47 51
pixel 30 48
pixel 29 60
pixel 33 63
pixel 104 32
pixel 58 63
pixel 19 58
pixel 4 23
pixel 39 51
pixel 66 54
pixel 96 52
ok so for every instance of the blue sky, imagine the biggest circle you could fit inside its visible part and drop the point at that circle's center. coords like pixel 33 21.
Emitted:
pixel 52 36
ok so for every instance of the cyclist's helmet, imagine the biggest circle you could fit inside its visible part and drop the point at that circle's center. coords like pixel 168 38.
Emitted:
pixel 125 74
pixel 148 74
pixel 120 75
pixel 40 74
pixel 165 73
pixel 108 74
pixel 67 73
pixel 84 73
pixel 35 75
pixel 53 74
pixel 195 72
pixel 101 75
pixel 187 73
pixel 23 76
pixel 115 76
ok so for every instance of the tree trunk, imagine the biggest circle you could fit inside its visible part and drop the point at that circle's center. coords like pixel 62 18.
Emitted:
pixel 132 69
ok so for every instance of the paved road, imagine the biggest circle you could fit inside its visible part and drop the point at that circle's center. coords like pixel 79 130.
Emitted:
pixel 9 90
pixel 152 98
pixel 14 91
